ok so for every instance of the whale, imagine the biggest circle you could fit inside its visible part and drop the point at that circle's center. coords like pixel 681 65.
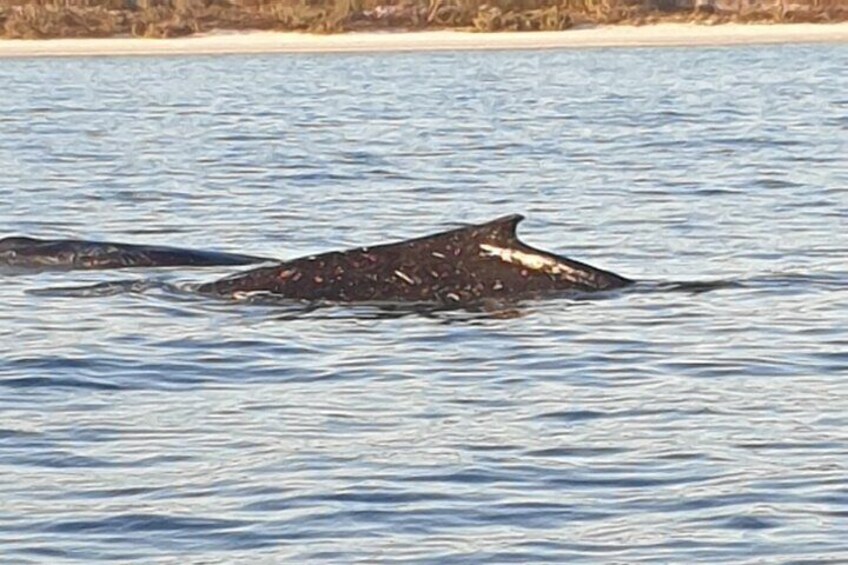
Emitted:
pixel 67 254
pixel 474 263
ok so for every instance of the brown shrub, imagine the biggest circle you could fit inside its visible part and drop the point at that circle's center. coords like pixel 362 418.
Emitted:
pixel 170 18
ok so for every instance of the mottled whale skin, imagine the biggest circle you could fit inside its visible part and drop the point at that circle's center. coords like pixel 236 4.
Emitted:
pixel 66 254
pixel 460 266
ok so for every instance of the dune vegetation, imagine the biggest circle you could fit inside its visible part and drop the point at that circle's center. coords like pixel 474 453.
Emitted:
pixel 172 18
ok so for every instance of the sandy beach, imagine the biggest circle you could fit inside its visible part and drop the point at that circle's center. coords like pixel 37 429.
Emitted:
pixel 665 34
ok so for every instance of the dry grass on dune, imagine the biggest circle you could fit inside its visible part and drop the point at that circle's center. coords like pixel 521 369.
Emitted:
pixel 171 18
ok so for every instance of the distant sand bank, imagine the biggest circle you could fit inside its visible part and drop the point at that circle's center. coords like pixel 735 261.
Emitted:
pixel 664 34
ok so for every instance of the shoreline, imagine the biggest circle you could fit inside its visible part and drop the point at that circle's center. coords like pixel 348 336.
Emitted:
pixel 605 36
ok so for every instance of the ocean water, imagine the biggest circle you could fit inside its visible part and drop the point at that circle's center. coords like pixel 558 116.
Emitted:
pixel 667 423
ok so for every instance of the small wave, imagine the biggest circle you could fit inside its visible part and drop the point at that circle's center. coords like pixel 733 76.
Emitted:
pixel 109 288
pixel 820 281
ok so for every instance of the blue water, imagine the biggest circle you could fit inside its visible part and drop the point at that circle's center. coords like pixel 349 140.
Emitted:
pixel 140 422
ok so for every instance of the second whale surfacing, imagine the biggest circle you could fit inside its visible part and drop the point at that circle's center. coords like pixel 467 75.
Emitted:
pixel 67 254
pixel 460 266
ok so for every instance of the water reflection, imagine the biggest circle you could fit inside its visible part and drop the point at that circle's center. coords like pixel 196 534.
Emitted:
pixel 698 416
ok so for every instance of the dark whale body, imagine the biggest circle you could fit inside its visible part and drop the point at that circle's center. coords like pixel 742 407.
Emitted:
pixel 460 266
pixel 32 253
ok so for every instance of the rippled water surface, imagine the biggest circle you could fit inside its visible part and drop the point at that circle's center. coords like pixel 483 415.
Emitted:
pixel 665 423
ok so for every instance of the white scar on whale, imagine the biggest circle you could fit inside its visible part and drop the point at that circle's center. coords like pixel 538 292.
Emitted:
pixel 531 261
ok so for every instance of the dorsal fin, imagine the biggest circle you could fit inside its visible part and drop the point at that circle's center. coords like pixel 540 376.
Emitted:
pixel 500 231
